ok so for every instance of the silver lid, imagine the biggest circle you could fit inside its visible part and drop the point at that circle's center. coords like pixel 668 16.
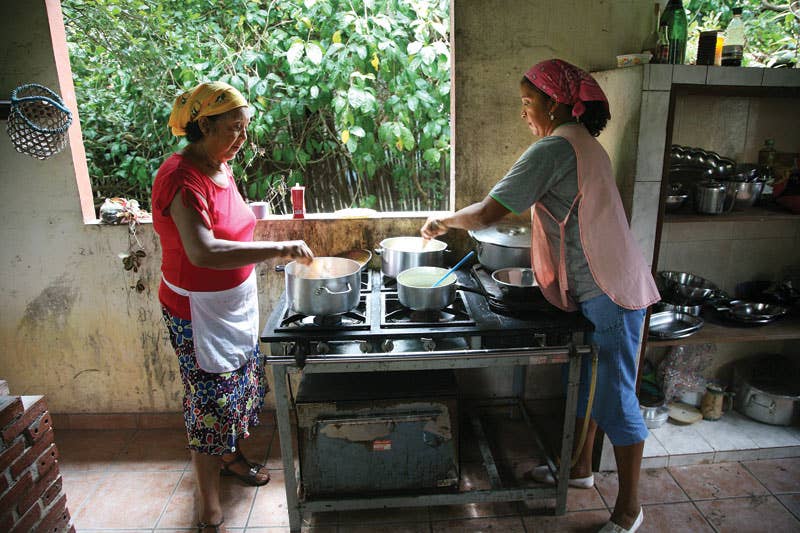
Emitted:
pixel 510 235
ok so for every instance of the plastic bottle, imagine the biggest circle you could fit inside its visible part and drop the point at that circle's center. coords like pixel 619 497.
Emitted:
pixel 733 48
pixel 298 201
pixel 650 43
pixel 674 18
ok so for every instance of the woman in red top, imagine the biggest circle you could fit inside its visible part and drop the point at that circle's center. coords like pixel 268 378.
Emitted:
pixel 208 291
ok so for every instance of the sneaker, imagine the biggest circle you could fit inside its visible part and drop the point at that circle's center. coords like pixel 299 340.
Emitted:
pixel 542 474
pixel 611 527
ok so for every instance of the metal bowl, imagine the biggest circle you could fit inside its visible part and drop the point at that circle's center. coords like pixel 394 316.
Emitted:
pixel 675 201
pixel 654 417
pixel 746 193
pixel 686 309
pixel 686 288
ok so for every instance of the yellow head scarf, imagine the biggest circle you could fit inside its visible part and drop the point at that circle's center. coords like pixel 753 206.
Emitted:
pixel 207 99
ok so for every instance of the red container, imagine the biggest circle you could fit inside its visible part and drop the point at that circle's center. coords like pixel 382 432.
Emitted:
pixel 298 201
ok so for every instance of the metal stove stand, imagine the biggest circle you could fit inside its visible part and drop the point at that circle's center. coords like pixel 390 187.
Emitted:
pixel 473 354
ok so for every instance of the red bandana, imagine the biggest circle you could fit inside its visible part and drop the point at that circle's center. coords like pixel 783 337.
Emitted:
pixel 566 84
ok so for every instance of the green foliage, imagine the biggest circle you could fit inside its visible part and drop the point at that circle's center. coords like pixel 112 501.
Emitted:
pixel 351 97
pixel 772 29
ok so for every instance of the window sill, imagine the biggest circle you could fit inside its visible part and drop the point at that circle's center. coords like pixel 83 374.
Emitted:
pixel 391 215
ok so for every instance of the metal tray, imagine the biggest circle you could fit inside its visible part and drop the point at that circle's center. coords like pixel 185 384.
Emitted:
pixel 672 325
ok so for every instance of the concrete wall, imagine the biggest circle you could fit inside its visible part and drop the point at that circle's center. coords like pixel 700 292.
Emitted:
pixel 71 326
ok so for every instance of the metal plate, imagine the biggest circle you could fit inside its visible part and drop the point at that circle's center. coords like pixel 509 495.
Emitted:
pixel 671 325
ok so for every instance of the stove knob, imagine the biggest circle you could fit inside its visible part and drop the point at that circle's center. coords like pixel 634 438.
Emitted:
pixel 428 344
pixel 323 348
pixel 387 345
pixel 365 347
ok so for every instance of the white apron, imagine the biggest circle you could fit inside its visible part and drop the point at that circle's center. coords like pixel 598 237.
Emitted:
pixel 224 324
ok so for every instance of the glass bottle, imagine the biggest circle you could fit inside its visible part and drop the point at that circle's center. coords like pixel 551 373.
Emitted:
pixel 733 47
pixel 650 44
pixel 662 48
pixel 674 18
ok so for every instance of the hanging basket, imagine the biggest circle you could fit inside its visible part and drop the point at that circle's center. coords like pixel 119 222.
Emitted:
pixel 38 121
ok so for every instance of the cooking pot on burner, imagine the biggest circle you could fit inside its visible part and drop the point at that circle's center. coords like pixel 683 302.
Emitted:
pixel 415 288
pixel 326 286
pixel 401 253
pixel 503 246
pixel 517 284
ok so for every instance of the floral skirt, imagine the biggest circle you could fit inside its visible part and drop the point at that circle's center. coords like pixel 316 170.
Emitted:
pixel 218 409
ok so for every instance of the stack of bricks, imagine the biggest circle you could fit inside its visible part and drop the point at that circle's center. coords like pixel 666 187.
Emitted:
pixel 31 493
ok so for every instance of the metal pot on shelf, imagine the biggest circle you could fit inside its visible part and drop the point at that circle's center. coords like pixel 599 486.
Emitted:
pixel 503 246
pixel 401 253
pixel 713 197
pixel 326 286
pixel 768 390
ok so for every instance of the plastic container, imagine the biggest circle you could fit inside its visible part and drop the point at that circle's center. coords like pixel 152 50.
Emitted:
pixel 733 47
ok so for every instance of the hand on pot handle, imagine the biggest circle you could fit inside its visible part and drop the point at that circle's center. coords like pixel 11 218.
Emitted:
pixel 433 228
pixel 297 250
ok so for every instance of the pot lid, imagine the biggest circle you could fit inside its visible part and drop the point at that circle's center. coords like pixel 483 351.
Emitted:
pixel 511 235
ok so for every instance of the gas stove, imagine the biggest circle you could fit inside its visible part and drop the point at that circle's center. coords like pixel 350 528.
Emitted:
pixel 381 324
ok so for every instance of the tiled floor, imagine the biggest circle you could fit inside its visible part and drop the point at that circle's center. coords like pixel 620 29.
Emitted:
pixel 141 480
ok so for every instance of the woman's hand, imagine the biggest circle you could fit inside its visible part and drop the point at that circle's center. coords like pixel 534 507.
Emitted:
pixel 298 250
pixel 433 228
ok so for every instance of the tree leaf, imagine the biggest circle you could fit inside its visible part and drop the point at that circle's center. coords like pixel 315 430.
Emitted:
pixel 314 53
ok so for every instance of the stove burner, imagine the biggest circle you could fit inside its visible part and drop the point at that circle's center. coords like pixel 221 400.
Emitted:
pixel 396 314
pixel 355 319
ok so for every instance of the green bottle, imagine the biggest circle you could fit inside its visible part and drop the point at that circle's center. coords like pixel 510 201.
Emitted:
pixel 674 17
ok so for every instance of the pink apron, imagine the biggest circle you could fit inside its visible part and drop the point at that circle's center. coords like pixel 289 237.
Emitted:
pixel 614 257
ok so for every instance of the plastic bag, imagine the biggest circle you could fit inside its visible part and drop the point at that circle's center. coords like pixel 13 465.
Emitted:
pixel 682 369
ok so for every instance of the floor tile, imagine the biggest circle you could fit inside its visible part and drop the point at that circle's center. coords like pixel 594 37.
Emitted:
pixel 127 500
pixel 256 446
pixel 384 516
pixel 754 515
pixel 269 507
pixel 79 486
pixel 721 480
pixel 725 434
pixel 680 439
pixel 778 475
pixel 691 459
pixel 419 527
pixel 154 450
pixel 90 449
pixel 791 502
pixel 672 517
pixel 764 435
pixel 472 510
pixel 655 486
pixel 479 525
pixel 576 522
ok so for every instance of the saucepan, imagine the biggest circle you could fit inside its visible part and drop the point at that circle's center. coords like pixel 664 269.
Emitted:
pixel 517 284
pixel 401 253
pixel 415 288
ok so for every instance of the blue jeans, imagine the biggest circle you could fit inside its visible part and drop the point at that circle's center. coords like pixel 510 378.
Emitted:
pixel 616 407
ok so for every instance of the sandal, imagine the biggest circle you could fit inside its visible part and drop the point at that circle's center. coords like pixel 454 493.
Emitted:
pixel 251 476
pixel 201 526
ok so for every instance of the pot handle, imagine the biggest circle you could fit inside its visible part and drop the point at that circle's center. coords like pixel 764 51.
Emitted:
pixel 320 290
pixel 770 406
pixel 475 290
pixel 280 268
pixel 378 251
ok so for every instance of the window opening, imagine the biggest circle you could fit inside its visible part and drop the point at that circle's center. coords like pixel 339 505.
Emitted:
pixel 351 97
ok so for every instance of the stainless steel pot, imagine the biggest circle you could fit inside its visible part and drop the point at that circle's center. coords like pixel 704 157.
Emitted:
pixel 415 288
pixel 401 253
pixel 710 198
pixel 767 392
pixel 326 286
pixel 503 246
pixel 517 284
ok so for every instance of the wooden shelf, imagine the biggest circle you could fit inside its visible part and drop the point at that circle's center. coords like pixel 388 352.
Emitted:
pixel 713 332
pixel 751 214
